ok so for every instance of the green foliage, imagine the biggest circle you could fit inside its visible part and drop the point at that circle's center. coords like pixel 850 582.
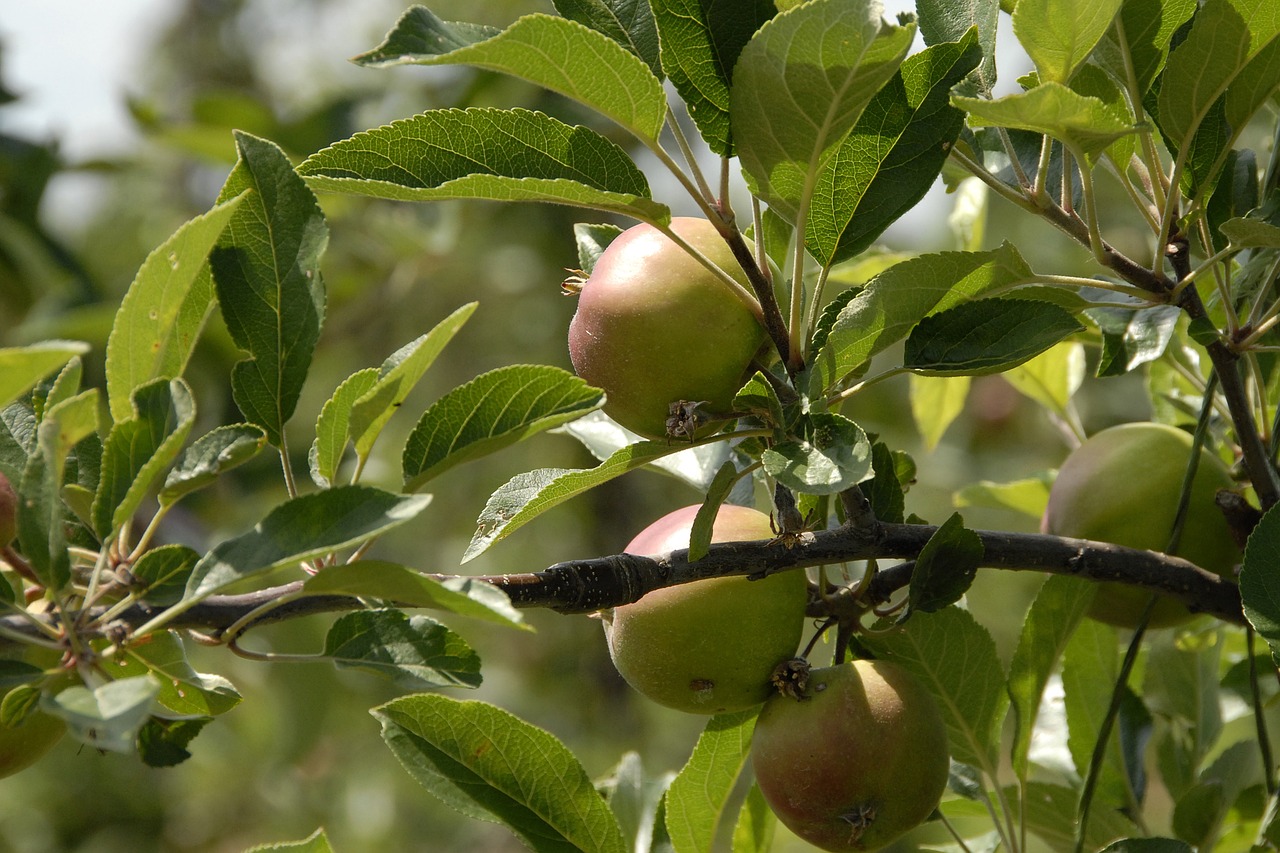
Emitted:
pixel 1134 139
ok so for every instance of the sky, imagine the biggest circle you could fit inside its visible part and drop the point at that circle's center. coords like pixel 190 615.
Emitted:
pixel 72 63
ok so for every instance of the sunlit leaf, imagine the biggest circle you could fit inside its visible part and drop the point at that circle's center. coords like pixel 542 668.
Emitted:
pixel 893 154
pixel 1059 35
pixel 493 411
pixel 398 375
pixel 936 401
pixel 23 367
pixel 402 586
pixel 800 85
pixel 561 55
pixel 1084 123
pixel 883 312
pixel 526 496
pixel 698 795
pixel 489 764
pixel 1052 619
pixel 628 22
pixel 139 449
pixel 701 42
pixel 161 315
pixel 300 529
pixel 498 155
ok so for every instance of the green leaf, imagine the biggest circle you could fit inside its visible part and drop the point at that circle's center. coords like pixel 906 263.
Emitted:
pixel 398 375
pixel 1200 813
pixel 266 268
pixel 22 367
pixel 1247 233
pixel 834 455
pixel 884 311
pixel 1084 123
pixel 162 572
pixel 407 588
pixel 696 464
pixel 182 690
pixel 107 717
pixel 333 426
pixel 413 651
pixel 592 240
pixel 1259 584
pixel 628 22
pixel 1052 619
pixel 1148 28
pixel 798 89
pixel 1090 667
pixel 489 764
pixel 936 401
pixel 1059 35
pixel 1132 337
pixel 634 798
pixel 138 450
pixel 753 833
pixel 700 43
pixel 40 512
pixel 885 490
pixel 758 398
pixel 499 155
pixel 1050 378
pixel 493 411
pixel 944 21
pixel 209 456
pixel 316 842
pixel 955 658
pixel 1180 685
pixel 1052 815
pixel 1228 50
pixel 556 53
pixel 163 742
pixel 299 529
pixel 704 521
pixel 945 568
pixel 989 336
pixel 893 154
pixel 698 795
pixel 526 496
pixel 1028 496
pixel 161 315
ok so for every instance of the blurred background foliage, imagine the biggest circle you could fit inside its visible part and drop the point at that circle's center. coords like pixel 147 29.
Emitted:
pixel 302 751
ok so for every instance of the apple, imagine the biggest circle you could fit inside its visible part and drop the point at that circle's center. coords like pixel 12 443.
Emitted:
pixel 709 646
pixel 654 327
pixel 857 761
pixel 1122 486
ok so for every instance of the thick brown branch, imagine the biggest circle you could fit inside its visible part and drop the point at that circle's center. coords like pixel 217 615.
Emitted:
pixel 583 586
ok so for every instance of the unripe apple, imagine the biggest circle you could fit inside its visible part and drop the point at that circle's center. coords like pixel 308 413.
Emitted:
pixel 709 646
pixel 1122 486
pixel 8 512
pixel 857 761
pixel 654 326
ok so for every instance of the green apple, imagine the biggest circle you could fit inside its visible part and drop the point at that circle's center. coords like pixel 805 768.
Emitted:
pixel 709 646
pixel 856 762
pixel 1122 486
pixel 654 326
